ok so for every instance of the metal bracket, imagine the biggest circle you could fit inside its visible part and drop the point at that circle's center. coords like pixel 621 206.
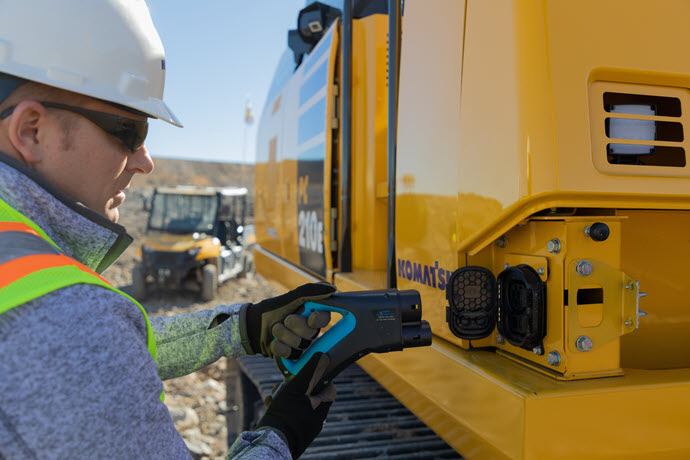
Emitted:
pixel 620 304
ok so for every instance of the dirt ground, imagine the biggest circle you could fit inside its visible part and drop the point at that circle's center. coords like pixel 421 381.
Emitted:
pixel 197 401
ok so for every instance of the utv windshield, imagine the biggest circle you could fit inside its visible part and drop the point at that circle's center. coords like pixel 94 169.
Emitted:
pixel 183 213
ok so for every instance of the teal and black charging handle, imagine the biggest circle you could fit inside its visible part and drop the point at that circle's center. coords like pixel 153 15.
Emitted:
pixel 370 322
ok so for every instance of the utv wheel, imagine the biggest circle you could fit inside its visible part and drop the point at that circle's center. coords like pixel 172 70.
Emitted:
pixel 138 283
pixel 209 282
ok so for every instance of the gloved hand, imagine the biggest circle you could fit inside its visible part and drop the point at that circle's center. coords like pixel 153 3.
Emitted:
pixel 278 317
pixel 295 411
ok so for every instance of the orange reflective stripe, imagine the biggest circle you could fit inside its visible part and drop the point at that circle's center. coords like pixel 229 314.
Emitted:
pixel 17 227
pixel 18 268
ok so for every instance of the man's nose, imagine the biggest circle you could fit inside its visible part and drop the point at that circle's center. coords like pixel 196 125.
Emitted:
pixel 140 161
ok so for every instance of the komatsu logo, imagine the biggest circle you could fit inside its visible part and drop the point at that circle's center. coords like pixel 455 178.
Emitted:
pixel 430 275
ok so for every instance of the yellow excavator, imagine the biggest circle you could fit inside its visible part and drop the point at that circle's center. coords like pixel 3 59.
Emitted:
pixel 523 165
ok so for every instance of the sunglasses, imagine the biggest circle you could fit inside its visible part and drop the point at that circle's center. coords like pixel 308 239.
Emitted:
pixel 131 132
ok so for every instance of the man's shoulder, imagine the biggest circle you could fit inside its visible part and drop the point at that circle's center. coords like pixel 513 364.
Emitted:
pixel 78 305
pixel 81 351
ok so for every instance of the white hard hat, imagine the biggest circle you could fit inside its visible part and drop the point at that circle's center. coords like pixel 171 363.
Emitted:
pixel 107 49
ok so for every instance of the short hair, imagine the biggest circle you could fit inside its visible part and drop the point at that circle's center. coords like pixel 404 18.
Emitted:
pixel 40 92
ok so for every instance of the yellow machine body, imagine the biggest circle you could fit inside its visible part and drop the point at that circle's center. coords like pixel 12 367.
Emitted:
pixel 508 152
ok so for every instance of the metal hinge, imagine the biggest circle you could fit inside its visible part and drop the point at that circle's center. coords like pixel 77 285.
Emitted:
pixel 335 122
pixel 334 230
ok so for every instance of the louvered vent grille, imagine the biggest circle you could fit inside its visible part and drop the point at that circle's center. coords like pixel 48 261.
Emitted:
pixel 638 129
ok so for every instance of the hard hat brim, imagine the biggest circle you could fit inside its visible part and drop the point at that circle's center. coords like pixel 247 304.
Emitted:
pixel 158 109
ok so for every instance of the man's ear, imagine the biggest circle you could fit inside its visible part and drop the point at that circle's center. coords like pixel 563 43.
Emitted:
pixel 28 118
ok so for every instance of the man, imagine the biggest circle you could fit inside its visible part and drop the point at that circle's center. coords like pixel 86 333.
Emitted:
pixel 80 362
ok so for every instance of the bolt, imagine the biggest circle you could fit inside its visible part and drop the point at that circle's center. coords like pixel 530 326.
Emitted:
pixel 501 242
pixel 554 246
pixel 506 265
pixel 584 268
pixel 500 339
pixel 628 323
pixel 540 270
pixel 584 343
pixel 285 372
pixel 538 350
pixel 553 358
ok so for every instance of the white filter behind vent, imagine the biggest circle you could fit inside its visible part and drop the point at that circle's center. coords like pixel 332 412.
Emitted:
pixel 625 128
pixel 639 130
pixel 633 109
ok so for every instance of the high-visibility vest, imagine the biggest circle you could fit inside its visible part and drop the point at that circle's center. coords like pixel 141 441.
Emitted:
pixel 32 265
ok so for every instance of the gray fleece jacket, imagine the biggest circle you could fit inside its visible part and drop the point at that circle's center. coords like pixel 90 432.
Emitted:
pixel 76 378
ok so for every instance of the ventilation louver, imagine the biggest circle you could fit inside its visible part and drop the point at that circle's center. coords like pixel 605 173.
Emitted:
pixel 638 129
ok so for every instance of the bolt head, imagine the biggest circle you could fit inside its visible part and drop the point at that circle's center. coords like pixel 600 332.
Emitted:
pixel 553 358
pixel 538 350
pixel 540 271
pixel 554 246
pixel 584 343
pixel 501 242
pixel 500 339
pixel 584 268
pixel 506 265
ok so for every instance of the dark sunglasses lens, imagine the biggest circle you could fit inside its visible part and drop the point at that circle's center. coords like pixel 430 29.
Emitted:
pixel 131 133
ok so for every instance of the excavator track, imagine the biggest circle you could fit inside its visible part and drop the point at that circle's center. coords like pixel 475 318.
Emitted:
pixel 365 422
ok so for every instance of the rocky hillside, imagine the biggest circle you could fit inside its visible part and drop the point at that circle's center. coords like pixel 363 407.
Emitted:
pixel 176 172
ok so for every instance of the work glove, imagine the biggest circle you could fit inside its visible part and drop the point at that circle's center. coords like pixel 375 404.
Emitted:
pixel 295 410
pixel 279 318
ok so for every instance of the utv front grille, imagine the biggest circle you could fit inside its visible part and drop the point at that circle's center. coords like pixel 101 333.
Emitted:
pixel 165 259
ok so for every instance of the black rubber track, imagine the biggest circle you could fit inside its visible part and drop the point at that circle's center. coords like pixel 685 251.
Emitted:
pixel 365 422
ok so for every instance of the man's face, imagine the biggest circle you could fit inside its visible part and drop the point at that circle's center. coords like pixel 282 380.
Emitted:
pixel 90 165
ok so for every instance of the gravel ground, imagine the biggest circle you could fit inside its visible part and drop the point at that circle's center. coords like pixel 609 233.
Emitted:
pixel 197 401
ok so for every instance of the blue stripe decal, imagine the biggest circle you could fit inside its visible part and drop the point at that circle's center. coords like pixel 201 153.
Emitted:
pixel 323 46
pixel 317 153
pixel 315 83
pixel 312 122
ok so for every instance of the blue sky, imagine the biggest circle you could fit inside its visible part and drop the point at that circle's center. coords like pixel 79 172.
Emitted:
pixel 218 53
